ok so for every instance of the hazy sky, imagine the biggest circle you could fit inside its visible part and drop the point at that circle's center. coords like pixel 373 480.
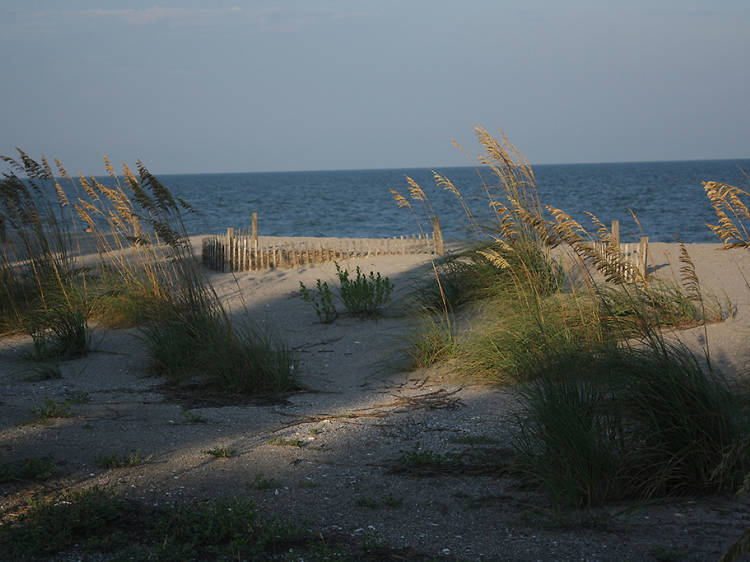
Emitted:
pixel 321 84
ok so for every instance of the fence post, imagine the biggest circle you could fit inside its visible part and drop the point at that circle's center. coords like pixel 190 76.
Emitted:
pixel 643 255
pixel 616 233
pixel 437 235
pixel 227 265
pixel 254 228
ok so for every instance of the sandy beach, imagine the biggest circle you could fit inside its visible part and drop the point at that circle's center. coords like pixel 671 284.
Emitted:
pixel 361 409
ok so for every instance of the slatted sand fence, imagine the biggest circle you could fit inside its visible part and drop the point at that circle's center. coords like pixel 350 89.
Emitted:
pixel 246 251
pixel 635 254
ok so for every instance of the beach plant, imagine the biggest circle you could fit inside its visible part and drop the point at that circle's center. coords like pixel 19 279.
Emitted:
pixel 279 442
pixel 197 341
pixel 260 482
pixel 611 406
pixel 98 523
pixel 116 460
pixel 192 417
pixel 321 300
pixel 37 468
pixel 731 212
pixel 41 291
pixel 222 452
pixel 433 341
pixel 59 330
pixel 145 274
pixel 51 409
pixel 364 295
pixel 632 424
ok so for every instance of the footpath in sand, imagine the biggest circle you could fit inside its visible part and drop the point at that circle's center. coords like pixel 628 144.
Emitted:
pixel 328 456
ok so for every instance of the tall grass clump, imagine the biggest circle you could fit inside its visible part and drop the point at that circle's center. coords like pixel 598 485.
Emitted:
pixel 42 288
pixel 135 261
pixel 632 424
pixel 611 407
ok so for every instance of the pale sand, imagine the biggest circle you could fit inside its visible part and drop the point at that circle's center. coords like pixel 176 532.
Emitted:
pixel 356 367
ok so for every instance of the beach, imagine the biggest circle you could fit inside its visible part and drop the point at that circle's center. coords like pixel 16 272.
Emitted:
pixel 329 453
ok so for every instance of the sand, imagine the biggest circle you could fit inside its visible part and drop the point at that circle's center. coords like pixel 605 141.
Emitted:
pixel 362 409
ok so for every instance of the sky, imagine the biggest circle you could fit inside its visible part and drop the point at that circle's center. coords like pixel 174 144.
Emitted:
pixel 267 85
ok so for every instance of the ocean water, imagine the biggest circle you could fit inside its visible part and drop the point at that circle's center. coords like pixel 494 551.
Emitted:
pixel 667 198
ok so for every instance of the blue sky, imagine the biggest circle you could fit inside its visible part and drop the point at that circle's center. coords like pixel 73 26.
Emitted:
pixel 320 84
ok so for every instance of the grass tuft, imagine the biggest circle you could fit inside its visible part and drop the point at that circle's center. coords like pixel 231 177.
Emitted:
pixel 99 524
pixel 121 461
pixel 222 452
pixel 51 410
pixel 38 468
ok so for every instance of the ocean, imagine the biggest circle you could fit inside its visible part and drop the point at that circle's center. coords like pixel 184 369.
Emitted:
pixel 667 198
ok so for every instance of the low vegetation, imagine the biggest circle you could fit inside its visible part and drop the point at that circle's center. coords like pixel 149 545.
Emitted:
pixel 99 522
pixel 321 300
pixel 612 407
pixel 37 468
pixel 222 452
pixel 116 460
pixel 363 295
pixel 51 410
pixel 140 270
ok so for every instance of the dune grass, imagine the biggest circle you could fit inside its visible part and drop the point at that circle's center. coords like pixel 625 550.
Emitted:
pixel 142 273
pixel 611 407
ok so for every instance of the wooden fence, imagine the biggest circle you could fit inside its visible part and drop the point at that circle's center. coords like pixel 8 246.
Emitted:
pixel 246 251
pixel 635 263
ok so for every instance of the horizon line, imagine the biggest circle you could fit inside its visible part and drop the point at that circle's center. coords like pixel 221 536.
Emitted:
pixel 477 165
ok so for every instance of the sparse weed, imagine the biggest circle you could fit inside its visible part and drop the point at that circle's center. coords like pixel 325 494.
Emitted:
pixel 364 295
pixel 98 522
pixel 321 301
pixel 393 501
pixel 50 410
pixel 45 371
pixel 666 553
pixel 39 468
pixel 279 442
pixel 260 482
pixel 78 397
pixel 422 459
pixel 366 501
pixel 192 417
pixel 121 461
pixel 222 452
pixel 373 542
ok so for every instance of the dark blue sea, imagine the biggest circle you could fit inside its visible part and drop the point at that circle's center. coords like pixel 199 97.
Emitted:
pixel 667 198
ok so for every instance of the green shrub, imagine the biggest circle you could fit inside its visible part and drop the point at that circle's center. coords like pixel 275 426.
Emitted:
pixel 321 301
pixel 433 340
pixel 98 522
pixel 619 422
pixel 198 341
pixel 116 460
pixel 364 295
pixel 52 409
pixel 39 468
pixel 59 329
pixel 456 280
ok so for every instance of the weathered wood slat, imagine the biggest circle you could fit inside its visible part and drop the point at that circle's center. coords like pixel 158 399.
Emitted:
pixel 235 251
